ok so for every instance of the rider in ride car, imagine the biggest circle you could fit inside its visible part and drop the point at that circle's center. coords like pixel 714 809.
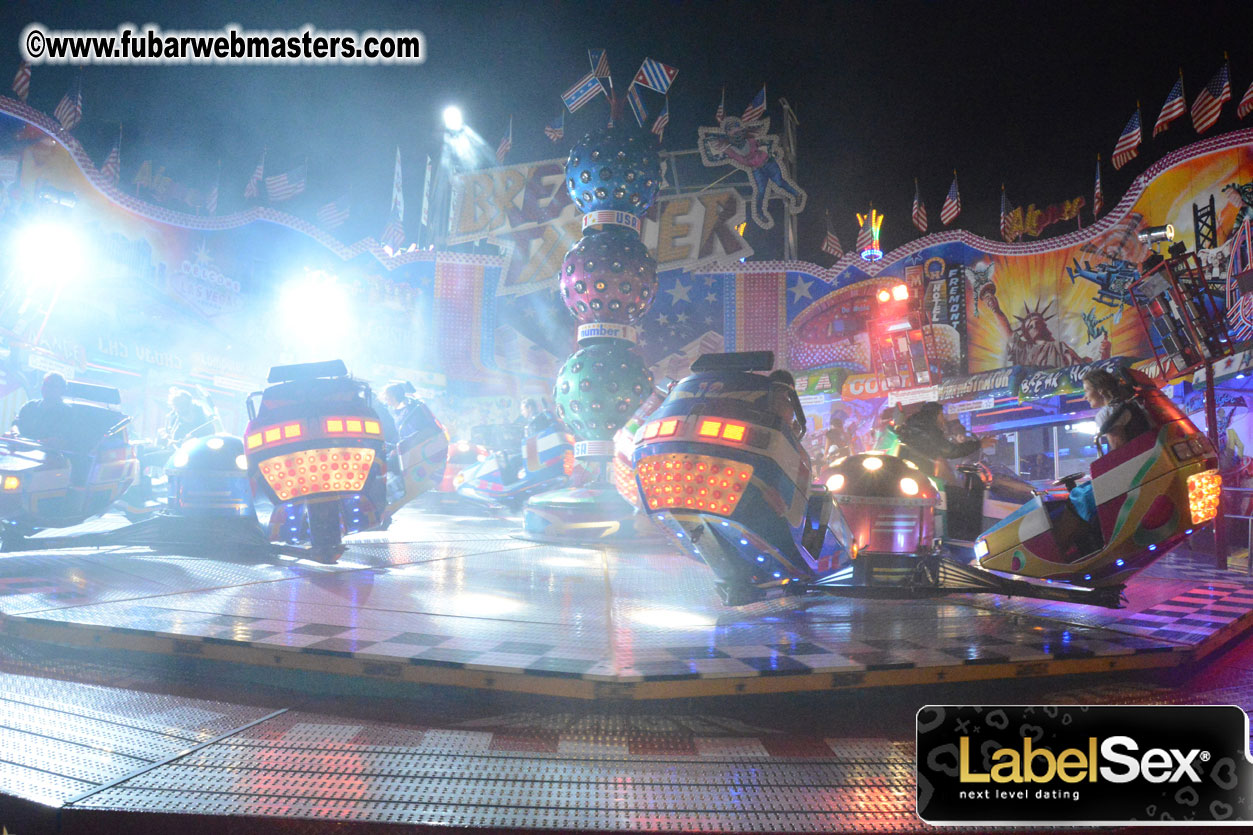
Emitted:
pixel 49 419
pixel 784 401
pixel 1119 419
pixel 925 441
pixel 534 418
pixel 186 418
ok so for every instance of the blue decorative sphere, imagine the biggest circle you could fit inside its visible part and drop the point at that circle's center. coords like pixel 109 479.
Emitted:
pixel 614 169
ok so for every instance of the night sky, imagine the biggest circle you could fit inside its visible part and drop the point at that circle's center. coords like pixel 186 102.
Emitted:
pixel 1022 93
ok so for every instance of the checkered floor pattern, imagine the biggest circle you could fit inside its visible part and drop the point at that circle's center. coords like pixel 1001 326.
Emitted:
pixel 426 600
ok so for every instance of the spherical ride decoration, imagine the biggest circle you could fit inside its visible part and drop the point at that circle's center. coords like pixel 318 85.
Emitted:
pixel 600 387
pixel 608 276
pixel 614 169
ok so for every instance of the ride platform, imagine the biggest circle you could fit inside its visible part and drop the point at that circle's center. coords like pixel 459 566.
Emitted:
pixel 461 601
pixel 165 693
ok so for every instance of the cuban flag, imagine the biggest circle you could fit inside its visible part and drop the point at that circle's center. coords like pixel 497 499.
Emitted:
pixel 584 90
pixel 655 75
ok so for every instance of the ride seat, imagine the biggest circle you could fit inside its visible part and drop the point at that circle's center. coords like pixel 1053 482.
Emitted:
pixel 1075 537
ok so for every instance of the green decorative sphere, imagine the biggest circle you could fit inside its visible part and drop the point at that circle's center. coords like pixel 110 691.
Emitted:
pixel 600 387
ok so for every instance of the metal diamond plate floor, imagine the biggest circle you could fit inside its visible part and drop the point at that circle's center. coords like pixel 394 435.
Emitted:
pixel 157 693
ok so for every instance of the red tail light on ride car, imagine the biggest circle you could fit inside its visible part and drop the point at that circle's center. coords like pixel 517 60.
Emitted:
pixel 693 482
pixel 333 470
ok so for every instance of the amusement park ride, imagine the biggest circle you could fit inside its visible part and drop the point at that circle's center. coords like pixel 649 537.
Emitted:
pixel 313 448
pixel 721 468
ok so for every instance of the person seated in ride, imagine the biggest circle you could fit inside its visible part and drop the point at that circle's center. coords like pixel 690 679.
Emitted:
pixel 1119 419
pixel 784 401
pixel 49 419
pixel 397 400
pixel 186 418
pixel 534 419
pixel 925 441
pixel 52 422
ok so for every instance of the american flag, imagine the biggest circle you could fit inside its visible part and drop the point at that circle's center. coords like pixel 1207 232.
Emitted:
pixel 112 168
pixel 830 243
pixel 1005 233
pixel 600 68
pixel 556 129
pixel 952 204
pixel 721 112
pixel 21 81
pixel 254 182
pixel 663 119
pixel 1246 103
pixel 1098 197
pixel 506 142
pixel 286 185
pixel 211 202
pixel 1174 107
pixel 334 214
pixel 1209 102
pixel 655 75
pixel 865 235
pixel 69 111
pixel 394 232
pixel 584 90
pixel 1128 144
pixel 637 105
pixel 920 210
pixel 756 108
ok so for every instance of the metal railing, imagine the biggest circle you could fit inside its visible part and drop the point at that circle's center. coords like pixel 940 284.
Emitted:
pixel 1247 518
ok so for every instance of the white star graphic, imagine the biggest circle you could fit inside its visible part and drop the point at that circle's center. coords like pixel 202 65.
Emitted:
pixel 800 290
pixel 709 320
pixel 711 297
pixel 663 319
pixel 709 281
pixel 678 293
pixel 681 318
pixel 202 254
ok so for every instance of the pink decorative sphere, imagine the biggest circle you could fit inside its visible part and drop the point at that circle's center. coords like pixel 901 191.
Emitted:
pixel 608 276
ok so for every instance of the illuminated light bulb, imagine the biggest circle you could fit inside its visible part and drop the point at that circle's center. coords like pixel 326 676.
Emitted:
pixel 872 464
pixel 835 482
pixel 909 487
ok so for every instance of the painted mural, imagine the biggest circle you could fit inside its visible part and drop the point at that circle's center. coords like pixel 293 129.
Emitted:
pixel 988 305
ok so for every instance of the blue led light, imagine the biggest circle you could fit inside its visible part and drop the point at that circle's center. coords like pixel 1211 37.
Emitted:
pixel 1121 563
pixel 1188 532
pixel 679 535
pixel 777 575
pixel 1152 547
pixel 761 558
pixel 1087 576
pixel 743 541
pixel 724 524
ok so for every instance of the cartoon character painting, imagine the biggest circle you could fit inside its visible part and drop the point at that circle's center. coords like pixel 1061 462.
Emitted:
pixel 747 146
